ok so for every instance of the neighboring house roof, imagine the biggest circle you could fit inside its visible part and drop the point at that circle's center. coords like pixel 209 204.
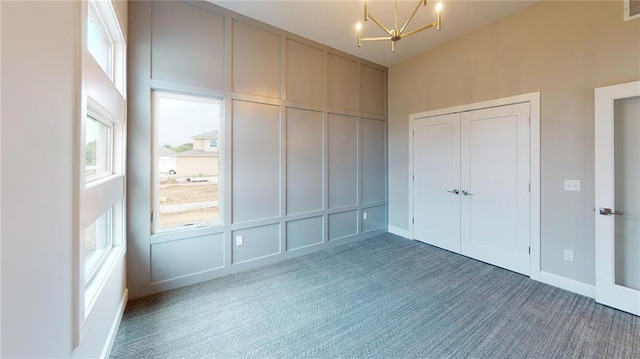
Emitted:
pixel 210 134
pixel 196 153
pixel 167 152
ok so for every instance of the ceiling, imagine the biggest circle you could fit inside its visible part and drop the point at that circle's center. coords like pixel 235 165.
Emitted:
pixel 332 22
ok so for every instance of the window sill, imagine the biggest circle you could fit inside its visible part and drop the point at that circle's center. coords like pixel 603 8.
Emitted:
pixel 179 233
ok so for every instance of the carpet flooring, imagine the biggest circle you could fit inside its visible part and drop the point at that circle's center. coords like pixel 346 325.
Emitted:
pixel 386 297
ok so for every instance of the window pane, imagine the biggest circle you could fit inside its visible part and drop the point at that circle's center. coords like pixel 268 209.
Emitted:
pixel 98 42
pixel 188 164
pixel 98 239
pixel 97 149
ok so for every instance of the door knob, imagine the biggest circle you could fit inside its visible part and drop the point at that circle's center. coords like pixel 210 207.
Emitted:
pixel 610 212
pixel 466 193
pixel 455 191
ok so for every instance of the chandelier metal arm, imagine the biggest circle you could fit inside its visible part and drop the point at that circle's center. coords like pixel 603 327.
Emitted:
pixel 415 31
pixel 420 2
pixel 376 38
pixel 379 24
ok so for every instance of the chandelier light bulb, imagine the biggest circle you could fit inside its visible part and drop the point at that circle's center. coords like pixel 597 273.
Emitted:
pixel 359 26
pixel 439 7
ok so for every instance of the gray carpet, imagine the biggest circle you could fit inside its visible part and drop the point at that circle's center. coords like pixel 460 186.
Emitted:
pixel 386 297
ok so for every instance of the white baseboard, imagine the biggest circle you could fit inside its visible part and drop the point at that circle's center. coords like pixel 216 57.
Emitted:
pixel 399 232
pixel 106 351
pixel 568 284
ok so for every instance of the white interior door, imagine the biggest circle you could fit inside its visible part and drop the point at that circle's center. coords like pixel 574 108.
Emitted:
pixel 495 186
pixel 436 181
pixel 617 164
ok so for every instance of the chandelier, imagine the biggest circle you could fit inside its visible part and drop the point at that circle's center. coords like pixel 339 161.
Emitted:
pixel 396 34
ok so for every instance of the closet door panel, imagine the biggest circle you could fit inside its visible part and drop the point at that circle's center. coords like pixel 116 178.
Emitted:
pixel 437 181
pixel 495 186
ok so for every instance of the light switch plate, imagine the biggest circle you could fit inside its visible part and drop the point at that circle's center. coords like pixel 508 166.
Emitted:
pixel 572 185
pixel 239 240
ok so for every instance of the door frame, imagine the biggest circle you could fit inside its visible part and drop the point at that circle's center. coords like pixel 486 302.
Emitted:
pixel 605 97
pixel 533 98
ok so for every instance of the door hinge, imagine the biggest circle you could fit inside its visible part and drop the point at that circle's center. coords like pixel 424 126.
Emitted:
pixel 414 133
pixel 529 250
pixel 529 187
pixel 529 121
pixel 413 177
pixel 413 220
pixel 153 216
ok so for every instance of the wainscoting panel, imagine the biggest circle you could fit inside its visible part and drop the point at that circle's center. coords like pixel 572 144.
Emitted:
pixel 342 92
pixel 187 46
pixel 343 162
pixel 256 161
pixel 258 242
pixel 186 256
pixel 304 161
pixel 305 73
pixel 374 85
pixel 256 61
pixel 373 179
pixel 376 218
pixel 304 232
pixel 343 224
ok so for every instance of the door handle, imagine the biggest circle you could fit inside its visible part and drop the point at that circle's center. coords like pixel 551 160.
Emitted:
pixel 466 193
pixel 455 191
pixel 609 212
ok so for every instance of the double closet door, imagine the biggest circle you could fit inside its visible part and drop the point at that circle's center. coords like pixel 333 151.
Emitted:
pixel 471 184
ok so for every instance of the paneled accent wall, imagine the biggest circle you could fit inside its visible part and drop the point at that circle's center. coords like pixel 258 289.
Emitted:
pixel 303 142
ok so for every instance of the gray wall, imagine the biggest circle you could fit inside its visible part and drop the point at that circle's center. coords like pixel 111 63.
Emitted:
pixel 304 142
pixel 563 49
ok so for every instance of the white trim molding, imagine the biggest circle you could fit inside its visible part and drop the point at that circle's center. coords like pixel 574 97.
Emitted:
pixel 111 338
pixel 568 284
pixel 533 99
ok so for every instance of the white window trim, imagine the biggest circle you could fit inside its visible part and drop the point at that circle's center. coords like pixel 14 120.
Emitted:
pixel 96 13
pixel 102 98
pixel 110 139
pixel 186 230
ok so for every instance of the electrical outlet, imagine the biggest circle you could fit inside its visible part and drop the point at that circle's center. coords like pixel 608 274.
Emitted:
pixel 572 185
pixel 568 255
pixel 239 240
pixel 364 215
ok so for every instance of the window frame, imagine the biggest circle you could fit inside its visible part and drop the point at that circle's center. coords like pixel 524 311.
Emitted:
pixel 92 267
pixel 103 98
pixel 95 13
pixel 92 114
pixel 155 170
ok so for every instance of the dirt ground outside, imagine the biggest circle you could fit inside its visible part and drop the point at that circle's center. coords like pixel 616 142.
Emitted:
pixel 173 192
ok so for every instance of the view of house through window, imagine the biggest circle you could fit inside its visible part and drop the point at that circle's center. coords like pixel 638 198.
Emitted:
pixel 187 163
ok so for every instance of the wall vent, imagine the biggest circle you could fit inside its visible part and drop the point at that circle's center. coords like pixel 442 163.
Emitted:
pixel 631 9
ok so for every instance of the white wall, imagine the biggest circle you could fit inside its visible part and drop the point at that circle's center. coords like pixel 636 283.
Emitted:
pixel 40 83
pixel 564 49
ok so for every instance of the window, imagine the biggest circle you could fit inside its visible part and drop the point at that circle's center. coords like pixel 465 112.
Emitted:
pixel 100 215
pixel 213 143
pixel 187 172
pixel 98 146
pixel 98 240
pixel 99 42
